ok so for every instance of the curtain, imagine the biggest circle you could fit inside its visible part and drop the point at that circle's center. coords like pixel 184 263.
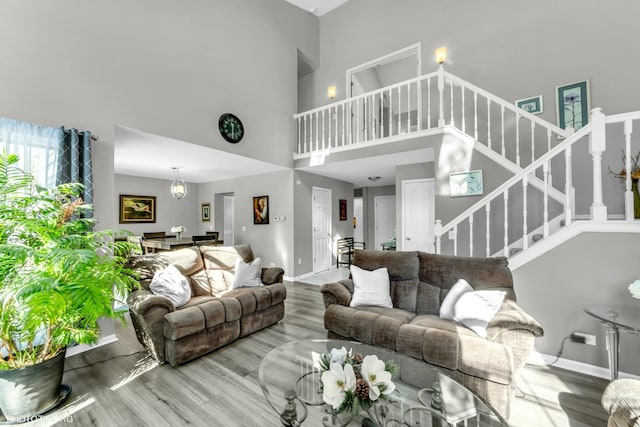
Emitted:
pixel 74 161
pixel 37 147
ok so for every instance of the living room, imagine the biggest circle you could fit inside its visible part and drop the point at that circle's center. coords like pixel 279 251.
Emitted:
pixel 172 69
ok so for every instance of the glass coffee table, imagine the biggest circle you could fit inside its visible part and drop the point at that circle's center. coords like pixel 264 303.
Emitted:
pixel 424 396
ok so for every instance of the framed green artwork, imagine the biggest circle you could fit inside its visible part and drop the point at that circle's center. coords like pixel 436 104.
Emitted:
pixel 466 183
pixel 573 105
pixel 531 105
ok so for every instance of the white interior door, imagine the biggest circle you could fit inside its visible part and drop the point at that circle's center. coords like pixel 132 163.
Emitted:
pixel 322 239
pixel 358 215
pixel 418 213
pixel 385 219
pixel 228 220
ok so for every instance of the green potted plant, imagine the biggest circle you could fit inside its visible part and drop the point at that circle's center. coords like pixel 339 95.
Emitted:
pixel 58 277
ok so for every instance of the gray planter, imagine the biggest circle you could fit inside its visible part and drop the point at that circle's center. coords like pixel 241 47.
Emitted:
pixel 33 390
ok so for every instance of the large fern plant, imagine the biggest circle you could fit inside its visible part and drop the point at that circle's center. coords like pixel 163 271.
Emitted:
pixel 57 275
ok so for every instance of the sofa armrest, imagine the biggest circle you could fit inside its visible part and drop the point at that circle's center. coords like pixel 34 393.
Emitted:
pixel 147 316
pixel 271 275
pixel 337 293
pixel 511 316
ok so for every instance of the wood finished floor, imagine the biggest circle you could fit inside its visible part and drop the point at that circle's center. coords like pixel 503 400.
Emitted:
pixel 117 385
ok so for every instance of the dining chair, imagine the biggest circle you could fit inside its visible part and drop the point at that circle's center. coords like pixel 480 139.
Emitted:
pixel 137 249
pixel 203 240
pixel 154 234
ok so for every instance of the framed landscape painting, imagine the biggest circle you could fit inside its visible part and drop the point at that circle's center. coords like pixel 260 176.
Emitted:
pixel 573 105
pixel 137 209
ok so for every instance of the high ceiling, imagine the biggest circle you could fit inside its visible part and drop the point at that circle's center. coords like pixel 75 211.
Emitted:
pixel 317 7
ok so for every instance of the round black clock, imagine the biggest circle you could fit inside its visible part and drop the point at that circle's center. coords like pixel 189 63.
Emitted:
pixel 230 128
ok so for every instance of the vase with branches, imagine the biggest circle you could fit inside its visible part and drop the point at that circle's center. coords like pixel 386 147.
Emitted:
pixel 634 175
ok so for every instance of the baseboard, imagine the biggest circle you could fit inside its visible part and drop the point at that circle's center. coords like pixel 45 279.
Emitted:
pixel 81 348
pixel 571 365
pixel 300 277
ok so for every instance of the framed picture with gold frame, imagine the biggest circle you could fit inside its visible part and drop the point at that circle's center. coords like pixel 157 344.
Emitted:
pixel 136 209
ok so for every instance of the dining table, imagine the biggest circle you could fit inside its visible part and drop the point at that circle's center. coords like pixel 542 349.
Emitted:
pixel 167 244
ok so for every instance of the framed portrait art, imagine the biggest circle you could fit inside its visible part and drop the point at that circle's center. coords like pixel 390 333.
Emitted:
pixel 573 105
pixel 261 210
pixel 135 209
pixel 343 209
pixel 206 212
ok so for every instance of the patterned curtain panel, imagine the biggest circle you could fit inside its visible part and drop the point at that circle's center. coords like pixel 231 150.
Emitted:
pixel 37 147
pixel 74 161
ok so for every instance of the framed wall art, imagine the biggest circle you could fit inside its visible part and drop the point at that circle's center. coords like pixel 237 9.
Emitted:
pixel 531 105
pixel 205 210
pixel 466 183
pixel 573 104
pixel 135 209
pixel 261 210
pixel 343 209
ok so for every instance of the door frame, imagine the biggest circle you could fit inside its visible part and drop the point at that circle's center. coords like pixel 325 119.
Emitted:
pixel 313 223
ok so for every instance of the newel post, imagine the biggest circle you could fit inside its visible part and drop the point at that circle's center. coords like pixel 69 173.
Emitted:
pixel 597 145
pixel 441 92
pixel 437 230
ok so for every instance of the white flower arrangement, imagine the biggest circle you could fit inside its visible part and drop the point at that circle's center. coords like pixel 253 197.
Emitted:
pixel 351 382
pixel 178 229
pixel 634 288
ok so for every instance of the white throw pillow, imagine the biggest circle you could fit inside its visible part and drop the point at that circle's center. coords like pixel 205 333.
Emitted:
pixel 172 284
pixel 247 275
pixel 476 309
pixel 370 287
pixel 446 308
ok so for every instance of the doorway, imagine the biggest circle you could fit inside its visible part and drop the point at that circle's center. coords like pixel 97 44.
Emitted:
pixel 358 218
pixel 322 228
pixel 418 215
pixel 228 220
pixel 385 219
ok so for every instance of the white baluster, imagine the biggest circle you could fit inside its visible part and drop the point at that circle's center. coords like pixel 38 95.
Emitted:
pixel 475 115
pixel 329 130
pixel 549 149
pixel 628 195
pixel 419 101
pixel 365 117
pixel 382 114
pixel 597 145
pixel 350 122
pixel 487 209
pixel 441 94
pixel 452 120
pixel 437 230
pixel 399 108
pixel 428 103
pixel 358 122
pixel 464 126
pixel 317 134
pixel 299 136
pixel 471 234
pixel 506 223
pixel 525 232
pixel 324 147
pixel 568 187
pixel 545 223
pixel 488 122
pixel 454 236
pixel 408 108
pixel 390 116
pixel 502 126
pixel 306 135
pixel 533 141
pixel 517 139
pixel 335 135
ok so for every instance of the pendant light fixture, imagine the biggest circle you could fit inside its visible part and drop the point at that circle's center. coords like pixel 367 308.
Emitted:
pixel 178 187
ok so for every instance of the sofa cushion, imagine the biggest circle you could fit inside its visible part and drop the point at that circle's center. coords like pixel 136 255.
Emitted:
pixel 247 275
pixel 370 287
pixel 171 284
pixel 476 309
pixel 189 262
pixel 447 308
pixel 219 263
pixel 427 299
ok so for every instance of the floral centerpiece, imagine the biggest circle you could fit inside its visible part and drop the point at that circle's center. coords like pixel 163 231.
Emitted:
pixel 178 229
pixel 634 288
pixel 351 382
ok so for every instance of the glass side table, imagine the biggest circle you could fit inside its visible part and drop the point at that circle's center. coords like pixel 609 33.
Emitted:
pixel 615 318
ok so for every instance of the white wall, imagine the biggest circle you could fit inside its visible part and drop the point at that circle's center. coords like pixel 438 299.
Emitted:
pixel 169 211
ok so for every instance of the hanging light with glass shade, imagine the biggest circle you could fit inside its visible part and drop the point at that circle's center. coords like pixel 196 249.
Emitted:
pixel 178 187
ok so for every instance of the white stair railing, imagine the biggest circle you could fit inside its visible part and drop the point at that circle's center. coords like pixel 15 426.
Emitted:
pixel 595 135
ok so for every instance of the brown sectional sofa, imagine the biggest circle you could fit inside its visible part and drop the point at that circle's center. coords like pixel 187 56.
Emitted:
pixel 215 315
pixel 418 284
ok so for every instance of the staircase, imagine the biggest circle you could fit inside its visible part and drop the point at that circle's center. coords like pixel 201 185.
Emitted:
pixel 537 202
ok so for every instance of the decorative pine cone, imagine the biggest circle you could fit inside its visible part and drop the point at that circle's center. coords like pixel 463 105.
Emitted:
pixel 358 357
pixel 362 389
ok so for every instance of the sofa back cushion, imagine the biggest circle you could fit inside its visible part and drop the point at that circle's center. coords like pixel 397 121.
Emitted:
pixel 403 273
pixel 443 271
pixel 219 264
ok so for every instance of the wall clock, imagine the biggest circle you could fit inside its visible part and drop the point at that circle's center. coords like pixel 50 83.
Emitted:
pixel 230 128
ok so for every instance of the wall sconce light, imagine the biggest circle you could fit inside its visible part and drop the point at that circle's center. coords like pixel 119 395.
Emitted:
pixel 441 55
pixel 178 187
pixel 331 92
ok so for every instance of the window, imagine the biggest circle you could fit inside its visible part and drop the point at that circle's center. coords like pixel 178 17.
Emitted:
pixel 37 147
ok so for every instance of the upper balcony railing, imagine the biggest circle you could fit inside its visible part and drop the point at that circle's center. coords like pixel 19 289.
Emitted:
pixel 415 106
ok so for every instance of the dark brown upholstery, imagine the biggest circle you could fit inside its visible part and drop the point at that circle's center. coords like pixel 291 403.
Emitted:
pixel 215 315
pixel 418 284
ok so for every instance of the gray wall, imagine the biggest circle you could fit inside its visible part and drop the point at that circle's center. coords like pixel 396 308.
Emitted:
pixel 302 193
pixel 165 67
pixel 272 242
pixel 169 211
pixel 556 287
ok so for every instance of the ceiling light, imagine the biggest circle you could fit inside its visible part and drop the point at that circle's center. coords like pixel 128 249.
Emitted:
pixel 178 187
pixel 373 178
